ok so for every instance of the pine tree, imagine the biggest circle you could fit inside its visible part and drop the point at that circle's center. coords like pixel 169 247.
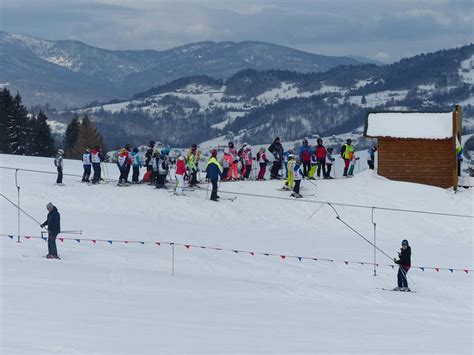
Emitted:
pixel 88 137
pixel 42 140
pixel 6 103
pixel 363 101
pixel 70 137
pixel 18 128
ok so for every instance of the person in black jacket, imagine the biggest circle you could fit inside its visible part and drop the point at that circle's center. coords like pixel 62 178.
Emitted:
pixel 404 262
pixel 53 221
pixel 276 149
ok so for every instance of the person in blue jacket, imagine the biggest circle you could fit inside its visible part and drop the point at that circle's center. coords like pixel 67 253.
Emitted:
pixel 305 157
pixel 214 172
pixel 53 221
pixel 371 157
pixel 136 165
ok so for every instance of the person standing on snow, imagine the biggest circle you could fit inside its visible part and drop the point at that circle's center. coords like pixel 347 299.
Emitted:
pixel 226 164
pixel 180 173
pixel 136 165
pixel 58 163
pixel 371 157
pixel 347 151
pixel 234 167
pixel 298 175
pixel 290 181
pixel 246 162
pixel 321 158
pixel 286 159
pixel 96 159
pixel 213 173
pixel 53 221
pixel 194 155
pixel 262 161
pixel 87 165
pixel 276 149
pixel 404 263
pixel 329 162
pixel 123 166
pixel 314 164
pixel 305 157
pixel 163 168
pixel 128 148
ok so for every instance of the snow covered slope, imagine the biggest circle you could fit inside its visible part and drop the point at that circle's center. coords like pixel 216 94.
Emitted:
pixel 121 298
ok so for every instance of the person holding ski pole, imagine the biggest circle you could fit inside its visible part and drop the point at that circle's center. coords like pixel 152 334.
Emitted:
pixel 404 262
pixel 53 221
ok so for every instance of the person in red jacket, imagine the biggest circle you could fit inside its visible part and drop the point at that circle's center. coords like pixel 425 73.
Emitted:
pixel 321 157
pixel 262 161
pixel 180 173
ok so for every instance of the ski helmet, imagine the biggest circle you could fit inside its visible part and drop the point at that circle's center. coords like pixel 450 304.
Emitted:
pixel 231 144
pixel 405 242
pixel 135 150
pixel 180 157
pixel 291 155
pixel 305 141
pixel 214 153
pixel 152 143
pixel 60 151
pixel 128 147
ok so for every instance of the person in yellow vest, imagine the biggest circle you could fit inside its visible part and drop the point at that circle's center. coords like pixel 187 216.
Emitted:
pixel 290 180
pixel 347 153
pixel 193 157
pixel 214 172
pixel 459 155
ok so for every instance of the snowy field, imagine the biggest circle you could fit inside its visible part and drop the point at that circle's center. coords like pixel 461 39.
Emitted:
pixel 121 298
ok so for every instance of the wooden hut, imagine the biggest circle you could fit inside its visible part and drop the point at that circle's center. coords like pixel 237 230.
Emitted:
pixel 417 147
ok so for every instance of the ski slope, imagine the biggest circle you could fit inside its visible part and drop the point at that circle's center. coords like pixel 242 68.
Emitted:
pixel 121 298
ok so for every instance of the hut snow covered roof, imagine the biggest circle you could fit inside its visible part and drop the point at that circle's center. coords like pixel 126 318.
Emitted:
pixel 418 125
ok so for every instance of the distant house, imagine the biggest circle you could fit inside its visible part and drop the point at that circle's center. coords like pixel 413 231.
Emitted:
pixel 417 147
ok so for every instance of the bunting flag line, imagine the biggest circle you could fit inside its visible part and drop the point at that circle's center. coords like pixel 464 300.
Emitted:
pixel 237 251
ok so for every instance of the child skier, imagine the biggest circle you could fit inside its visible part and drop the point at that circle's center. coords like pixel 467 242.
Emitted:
pixel 404 262
pixel 234 166
pixel 193 163
pixel 262 161
pixel 163 167
pixel 298 175
pixel 123 162
pixel 290 182
pixel 329 161
pixel 226 164
pixel 314 164
pixel 96 159
pixel 136 165
pixel 321 158
pixel 180 173
pixel 59 164
pixel 352 163
pixel 87 165
pixel 246 162
pixel 154 166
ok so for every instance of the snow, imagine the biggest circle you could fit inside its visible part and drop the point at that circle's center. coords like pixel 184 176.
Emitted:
pixel 379 98
pixel 122 298
pixel 56 126
pixel 466 71
pixel 410 125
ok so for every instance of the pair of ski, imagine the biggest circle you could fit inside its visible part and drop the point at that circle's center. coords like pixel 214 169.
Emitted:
pixel 396 290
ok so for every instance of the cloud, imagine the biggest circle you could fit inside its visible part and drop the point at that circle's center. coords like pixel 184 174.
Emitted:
pixel 370 28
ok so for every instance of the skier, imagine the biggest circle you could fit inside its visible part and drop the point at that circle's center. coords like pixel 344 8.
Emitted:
pixel 87 165
pixel 459 152
pixel 262 161
pixel 305 157
pixel 234 167
pixel 346 153
pixel 371 157
pixel 148 177
pixel 96 159
pixel 246 158
pixel 128 148
pixel 123 164
pixel 154 164
pixel 329 161
pixel 193 163
pixel 285 160
pixel 180 173
pixel 290 181
pixel 404 263
pixel 241 150
pixel 53 221
pixel 214 171
pixel 321 158
pixel 314 164
pixel 277 150
pixel 352 163
pixel 136 164
pixel 163 167
pixel 298 175
pixel 226 164
pixel 59 164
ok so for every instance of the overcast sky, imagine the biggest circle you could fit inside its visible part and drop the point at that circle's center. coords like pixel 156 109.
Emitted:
pixel 386 30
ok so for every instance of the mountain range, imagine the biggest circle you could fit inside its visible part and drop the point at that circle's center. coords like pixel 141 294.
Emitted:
pixel 72 73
